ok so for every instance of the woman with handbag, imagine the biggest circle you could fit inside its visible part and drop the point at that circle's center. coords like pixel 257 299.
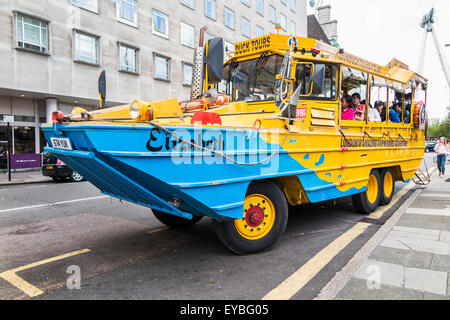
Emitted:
pixel 442 151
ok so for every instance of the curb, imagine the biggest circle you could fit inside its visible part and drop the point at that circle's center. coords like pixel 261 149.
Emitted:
pixel 14 183
pixel 338 282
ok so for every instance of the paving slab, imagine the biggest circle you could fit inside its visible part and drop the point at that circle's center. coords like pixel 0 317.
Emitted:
pixel 440 263
pixel 407 258
pixel 411 243
pixel 374 272
pixel 425 221
pixel 419 233
pixel 356 289
pixel 432 212
pixel 445 236
pixel 426 280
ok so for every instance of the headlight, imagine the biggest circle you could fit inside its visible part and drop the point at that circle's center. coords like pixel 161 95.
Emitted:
pixel 135 109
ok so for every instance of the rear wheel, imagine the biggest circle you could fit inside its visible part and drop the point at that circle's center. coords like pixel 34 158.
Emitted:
pixel 368 201
pixel 264 220
pixel 387 186
pixel 174 221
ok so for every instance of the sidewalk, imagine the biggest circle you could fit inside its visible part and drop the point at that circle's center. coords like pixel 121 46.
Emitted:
pixel 411 260
pixel 23 177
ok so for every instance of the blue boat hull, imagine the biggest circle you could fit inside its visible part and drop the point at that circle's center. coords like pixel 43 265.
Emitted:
pixel 151 167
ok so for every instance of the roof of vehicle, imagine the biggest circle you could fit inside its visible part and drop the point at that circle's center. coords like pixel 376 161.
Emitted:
pixel 395 70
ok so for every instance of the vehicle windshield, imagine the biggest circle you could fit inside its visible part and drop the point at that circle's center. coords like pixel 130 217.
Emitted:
pixel 253 80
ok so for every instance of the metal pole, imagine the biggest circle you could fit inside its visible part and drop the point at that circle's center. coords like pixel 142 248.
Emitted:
pixel 8 136
pixel 441 58
pixel 422 52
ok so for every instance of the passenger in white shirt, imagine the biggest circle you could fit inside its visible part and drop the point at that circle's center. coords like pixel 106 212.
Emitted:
pixel 374 113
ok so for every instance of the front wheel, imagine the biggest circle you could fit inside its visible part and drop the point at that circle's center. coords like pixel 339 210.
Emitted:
pixel 264 220
pixel 174 221
pixel 368 201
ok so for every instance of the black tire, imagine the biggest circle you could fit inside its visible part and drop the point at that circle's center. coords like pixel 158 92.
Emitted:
pixel 361 200
pixel 228 233
pixel 387 185
pixel 174 221
pixel 75 177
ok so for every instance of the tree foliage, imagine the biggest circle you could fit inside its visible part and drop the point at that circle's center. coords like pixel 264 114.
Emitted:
pixel 441 129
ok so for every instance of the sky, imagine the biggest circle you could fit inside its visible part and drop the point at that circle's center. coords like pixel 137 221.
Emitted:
pixel 383 29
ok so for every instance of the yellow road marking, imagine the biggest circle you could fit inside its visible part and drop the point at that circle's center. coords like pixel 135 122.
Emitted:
pixel 381 210
pixel 157 230
pixel 302 276
pixel 21 284
pixel 27 287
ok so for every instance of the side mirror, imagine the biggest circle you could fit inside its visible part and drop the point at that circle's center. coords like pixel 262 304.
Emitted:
pixel 214 60
pixel 318 79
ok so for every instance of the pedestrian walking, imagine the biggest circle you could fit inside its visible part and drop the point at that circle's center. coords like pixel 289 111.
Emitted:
pixel 442 151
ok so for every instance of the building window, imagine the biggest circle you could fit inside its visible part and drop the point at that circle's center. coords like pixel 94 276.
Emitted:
pixel 187 73
pixel 127 11
pixel 187 34
pixel 246 2
pixel 161 67
pixel 24 140
pixel 128 58
pixel 245 27
pixel 160 24
pixel 272 14
pixel 229 18
pixel 293 28
pixel 284 2
pixel 293 5
pixel 210 9
pixel 86 48
pixel 283 21
pixel 259 31
pixel 260 7
pixel 32 33
pixel 188 3
pixel 91 5
pixel 228 48
pixel 209 36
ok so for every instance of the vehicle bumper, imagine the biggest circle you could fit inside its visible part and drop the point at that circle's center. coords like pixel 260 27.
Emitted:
pixel 54 170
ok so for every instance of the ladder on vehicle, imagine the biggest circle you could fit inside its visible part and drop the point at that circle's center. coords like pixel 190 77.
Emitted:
pixel 420 178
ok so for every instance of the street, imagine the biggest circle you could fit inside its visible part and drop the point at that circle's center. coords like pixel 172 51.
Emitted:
pixel 54 232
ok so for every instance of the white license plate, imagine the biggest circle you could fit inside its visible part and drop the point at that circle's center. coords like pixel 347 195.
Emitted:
pixel 61 143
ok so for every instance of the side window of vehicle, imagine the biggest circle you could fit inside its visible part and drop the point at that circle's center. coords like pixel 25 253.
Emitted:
pixel 303 77
pixel 354 84
pixel 378 99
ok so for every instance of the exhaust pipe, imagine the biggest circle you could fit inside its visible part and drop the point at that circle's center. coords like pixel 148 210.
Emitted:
pixel 197 69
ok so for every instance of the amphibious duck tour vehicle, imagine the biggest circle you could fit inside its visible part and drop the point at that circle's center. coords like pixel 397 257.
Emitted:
pixel 260 132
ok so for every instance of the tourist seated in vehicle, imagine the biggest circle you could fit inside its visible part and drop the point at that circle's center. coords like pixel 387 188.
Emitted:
pixel 347 111
pixel 375 112
pixel 394 116
pixel 359 107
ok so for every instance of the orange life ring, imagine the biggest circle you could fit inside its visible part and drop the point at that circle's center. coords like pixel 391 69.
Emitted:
pixel 199 104
pixel 419 115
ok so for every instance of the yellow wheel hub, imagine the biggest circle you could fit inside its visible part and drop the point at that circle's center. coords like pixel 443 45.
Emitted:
pixel 372 189
pixel 388 179
pixel 258 218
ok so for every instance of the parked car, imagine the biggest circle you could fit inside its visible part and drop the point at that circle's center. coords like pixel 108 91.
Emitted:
pixel 429 146
pixel 58 170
